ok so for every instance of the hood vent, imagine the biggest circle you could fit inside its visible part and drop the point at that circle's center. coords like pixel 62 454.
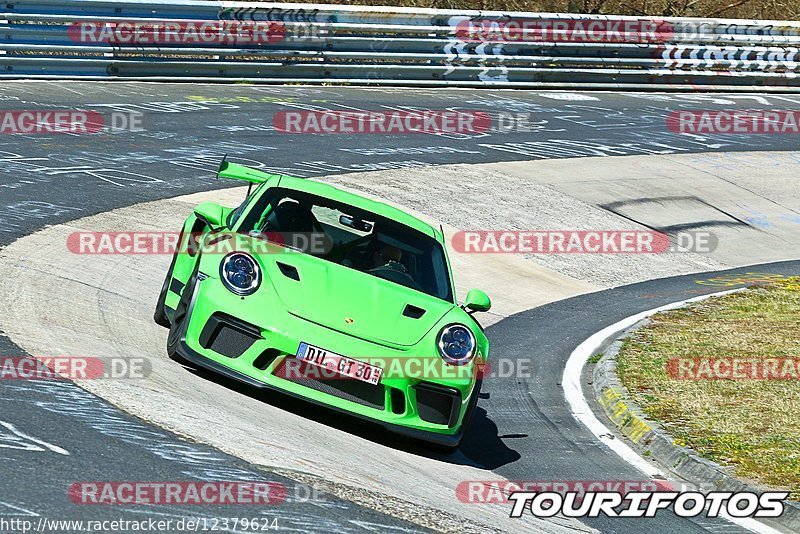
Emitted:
pixel 288 271
pixel 413 311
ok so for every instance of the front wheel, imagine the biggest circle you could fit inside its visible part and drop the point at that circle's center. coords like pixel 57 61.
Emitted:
pixel 160 313
pixel 180 318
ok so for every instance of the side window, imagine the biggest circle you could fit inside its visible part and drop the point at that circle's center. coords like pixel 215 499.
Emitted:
pixel 235 214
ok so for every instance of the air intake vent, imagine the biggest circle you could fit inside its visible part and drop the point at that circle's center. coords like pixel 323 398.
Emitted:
pixel 413 311
pixel 228 336
pixel 398 400
pixel 266 358
pixel 437 404
pixel 289 271
pixel 372 396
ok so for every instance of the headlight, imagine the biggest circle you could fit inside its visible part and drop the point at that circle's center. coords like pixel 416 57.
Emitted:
pixel 456 344
pixel 240 273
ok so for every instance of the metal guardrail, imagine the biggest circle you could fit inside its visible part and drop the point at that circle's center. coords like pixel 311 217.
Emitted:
pixel 304 43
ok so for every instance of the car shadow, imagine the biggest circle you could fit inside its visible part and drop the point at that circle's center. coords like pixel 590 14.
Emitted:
pixel 481 446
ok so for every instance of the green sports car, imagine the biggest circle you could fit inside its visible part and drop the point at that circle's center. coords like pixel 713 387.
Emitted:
pixel 331 297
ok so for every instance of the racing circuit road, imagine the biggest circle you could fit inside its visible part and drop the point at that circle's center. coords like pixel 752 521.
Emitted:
pixel 523 429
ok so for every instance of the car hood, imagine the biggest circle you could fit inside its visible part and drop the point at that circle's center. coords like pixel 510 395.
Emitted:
pixel 350 301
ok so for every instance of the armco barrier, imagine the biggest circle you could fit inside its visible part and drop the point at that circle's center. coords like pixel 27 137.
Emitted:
pixel 305 43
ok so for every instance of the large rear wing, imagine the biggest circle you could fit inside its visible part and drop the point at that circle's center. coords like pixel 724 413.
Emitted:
pixel 235 171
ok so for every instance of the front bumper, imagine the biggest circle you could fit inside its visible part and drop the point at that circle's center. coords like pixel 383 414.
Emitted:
pixel 246 363
pixel 449 440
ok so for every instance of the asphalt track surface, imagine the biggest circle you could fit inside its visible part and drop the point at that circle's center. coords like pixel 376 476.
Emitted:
pixel 523 430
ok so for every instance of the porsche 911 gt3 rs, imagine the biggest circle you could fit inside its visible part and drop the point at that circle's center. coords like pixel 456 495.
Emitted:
pixel 331 297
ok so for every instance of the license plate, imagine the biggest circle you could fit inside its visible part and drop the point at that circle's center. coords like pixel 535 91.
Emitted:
pixel 338 364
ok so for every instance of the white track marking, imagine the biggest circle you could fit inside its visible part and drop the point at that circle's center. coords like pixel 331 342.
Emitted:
pixel 16 510
pixel 571 383
pixel 18 434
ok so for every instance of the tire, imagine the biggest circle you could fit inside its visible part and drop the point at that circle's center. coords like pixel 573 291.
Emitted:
pixel 160 314
pixel 180 318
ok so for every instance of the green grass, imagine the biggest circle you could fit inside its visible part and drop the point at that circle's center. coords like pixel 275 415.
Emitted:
pixel 596 358
pixel 752 425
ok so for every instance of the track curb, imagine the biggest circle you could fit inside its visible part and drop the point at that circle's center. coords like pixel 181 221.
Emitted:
pixel 654 443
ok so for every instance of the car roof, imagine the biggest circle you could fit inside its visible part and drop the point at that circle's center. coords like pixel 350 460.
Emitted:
pixel 339 195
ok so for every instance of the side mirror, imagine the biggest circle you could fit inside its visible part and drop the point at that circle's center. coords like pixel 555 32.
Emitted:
pixel 211 213
pixel 477 301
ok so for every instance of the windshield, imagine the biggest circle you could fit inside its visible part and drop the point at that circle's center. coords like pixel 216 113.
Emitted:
pixel 357 239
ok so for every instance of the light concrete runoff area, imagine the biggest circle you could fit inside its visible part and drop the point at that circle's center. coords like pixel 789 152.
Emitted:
pixel 102 305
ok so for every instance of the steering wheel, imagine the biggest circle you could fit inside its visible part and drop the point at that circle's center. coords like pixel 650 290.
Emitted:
pixel 348 251
pixel 393 275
